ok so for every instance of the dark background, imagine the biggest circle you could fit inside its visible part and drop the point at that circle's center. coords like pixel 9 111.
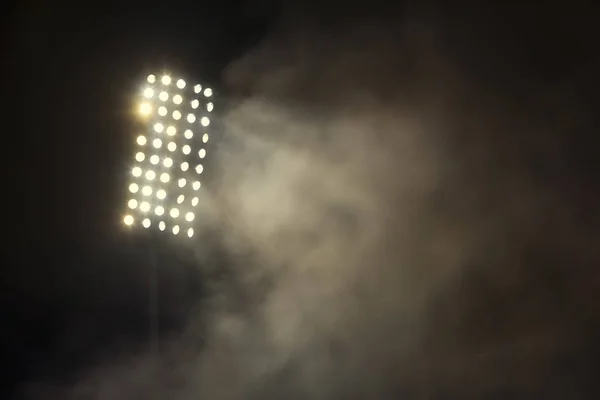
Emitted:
pixel 70 68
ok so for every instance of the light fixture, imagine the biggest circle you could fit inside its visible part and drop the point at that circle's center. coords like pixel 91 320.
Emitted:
pixel 164 181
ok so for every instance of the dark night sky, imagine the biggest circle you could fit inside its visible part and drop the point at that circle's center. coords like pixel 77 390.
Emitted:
pixel 70 283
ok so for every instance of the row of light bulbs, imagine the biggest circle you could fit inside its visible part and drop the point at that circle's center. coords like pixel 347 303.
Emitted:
pixel 177 99
pixel 146 108
pixel 157 143
pixel 166 80
pixel 171 130
pixel 133 203
pixel 171 146
pixel 160 210
pixel 167 162
pixel 146 223
pixel 160 193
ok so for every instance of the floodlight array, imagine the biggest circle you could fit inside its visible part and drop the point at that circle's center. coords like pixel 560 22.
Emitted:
pixel 166 173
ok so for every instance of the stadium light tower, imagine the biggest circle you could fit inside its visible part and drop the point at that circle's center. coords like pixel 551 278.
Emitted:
pixel 166 170
pixel 165 175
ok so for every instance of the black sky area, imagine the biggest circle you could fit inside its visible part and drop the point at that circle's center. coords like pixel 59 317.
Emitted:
pixel 73 285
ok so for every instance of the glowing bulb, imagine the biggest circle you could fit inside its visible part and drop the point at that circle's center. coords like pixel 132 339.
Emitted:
pixel 161 194
pixel 166 80
pixel 194 202
pixel 146 223
pixel 190 232
pixel 185 166
pixel 176 115
pixel 136 171
pixel 199 169
pixel 145 206
pixel 204 121
pixel 188 134
pixel 162 111
pixel 189 217
pixel 164 177
pixel 174 213
pixel 157 143
pixel 175 230
pixel 150 175
pixel 167 162
pixel 140 157
pixel 154 159
pixel 141 140
pixel 128 220
pixel 180 199
pixel 171 130
pixel 172 146
pixel 196 185
pixel 180 83
pixel 146 190
pixel 161 226
pixel 148 92
pixel 132 203
pixel 195 104
pixel 205 138
pixel 208 92
pixel 151 78
pixel 197 88
pixel 186 149
pixel 181 182
pixel 163 96
pixel 177 99
pixel 202 153
pixel 191 118
pixel 209 106
pixel 145 108
pixel 158 127
pixel 133 188
pixel 159 210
